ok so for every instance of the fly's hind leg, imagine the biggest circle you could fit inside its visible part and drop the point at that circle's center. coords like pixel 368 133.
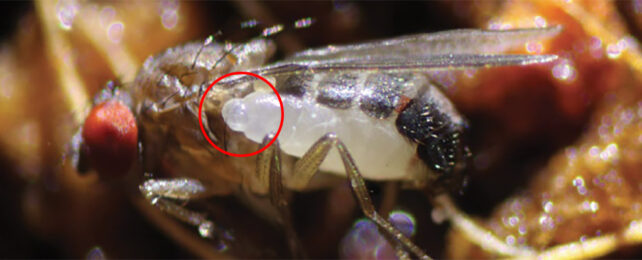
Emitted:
pixel 169 195
pixel 309 164
pixel 268 179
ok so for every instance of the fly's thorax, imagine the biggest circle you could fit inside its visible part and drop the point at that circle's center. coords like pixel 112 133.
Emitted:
pixel 166 94
pixel 183 71
pixel 169 86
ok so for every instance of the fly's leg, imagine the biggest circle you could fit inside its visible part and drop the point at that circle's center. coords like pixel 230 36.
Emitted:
pixel 390 193
pixel 309 164
pixel 168 195
pixel 269 174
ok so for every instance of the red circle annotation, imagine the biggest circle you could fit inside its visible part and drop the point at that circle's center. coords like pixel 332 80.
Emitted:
pixel 200 112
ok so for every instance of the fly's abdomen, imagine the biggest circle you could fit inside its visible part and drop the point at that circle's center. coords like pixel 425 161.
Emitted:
pixel 359 108
pixel 431 121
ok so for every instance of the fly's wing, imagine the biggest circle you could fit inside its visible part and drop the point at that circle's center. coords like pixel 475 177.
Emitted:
pixel 464 41
pixel 391 64
pixel 394 63
pixel 459 49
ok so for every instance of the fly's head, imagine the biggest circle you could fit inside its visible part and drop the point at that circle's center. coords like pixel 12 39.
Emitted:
pixel 431 121
pixel 108 139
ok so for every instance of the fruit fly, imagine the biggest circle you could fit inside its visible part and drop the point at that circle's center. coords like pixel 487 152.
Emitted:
pixel 373 102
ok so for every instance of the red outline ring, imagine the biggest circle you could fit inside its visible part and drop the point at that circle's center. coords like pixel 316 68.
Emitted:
pixel 200 112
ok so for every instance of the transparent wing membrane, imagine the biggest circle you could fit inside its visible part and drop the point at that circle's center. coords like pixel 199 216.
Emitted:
pixel 392 63
pixel 456 49
pixel 464 41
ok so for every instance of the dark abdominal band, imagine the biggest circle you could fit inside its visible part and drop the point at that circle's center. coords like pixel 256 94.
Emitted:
pixel 438 138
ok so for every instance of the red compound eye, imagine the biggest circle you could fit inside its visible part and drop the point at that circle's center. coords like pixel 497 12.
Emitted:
pixel 110 138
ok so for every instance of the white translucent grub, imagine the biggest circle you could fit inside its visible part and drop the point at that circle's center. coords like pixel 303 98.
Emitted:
pixel 237 112
pixel 256 115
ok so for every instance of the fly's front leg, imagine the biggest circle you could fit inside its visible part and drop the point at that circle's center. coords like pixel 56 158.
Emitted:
pixel 309 164
pixel 168 195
